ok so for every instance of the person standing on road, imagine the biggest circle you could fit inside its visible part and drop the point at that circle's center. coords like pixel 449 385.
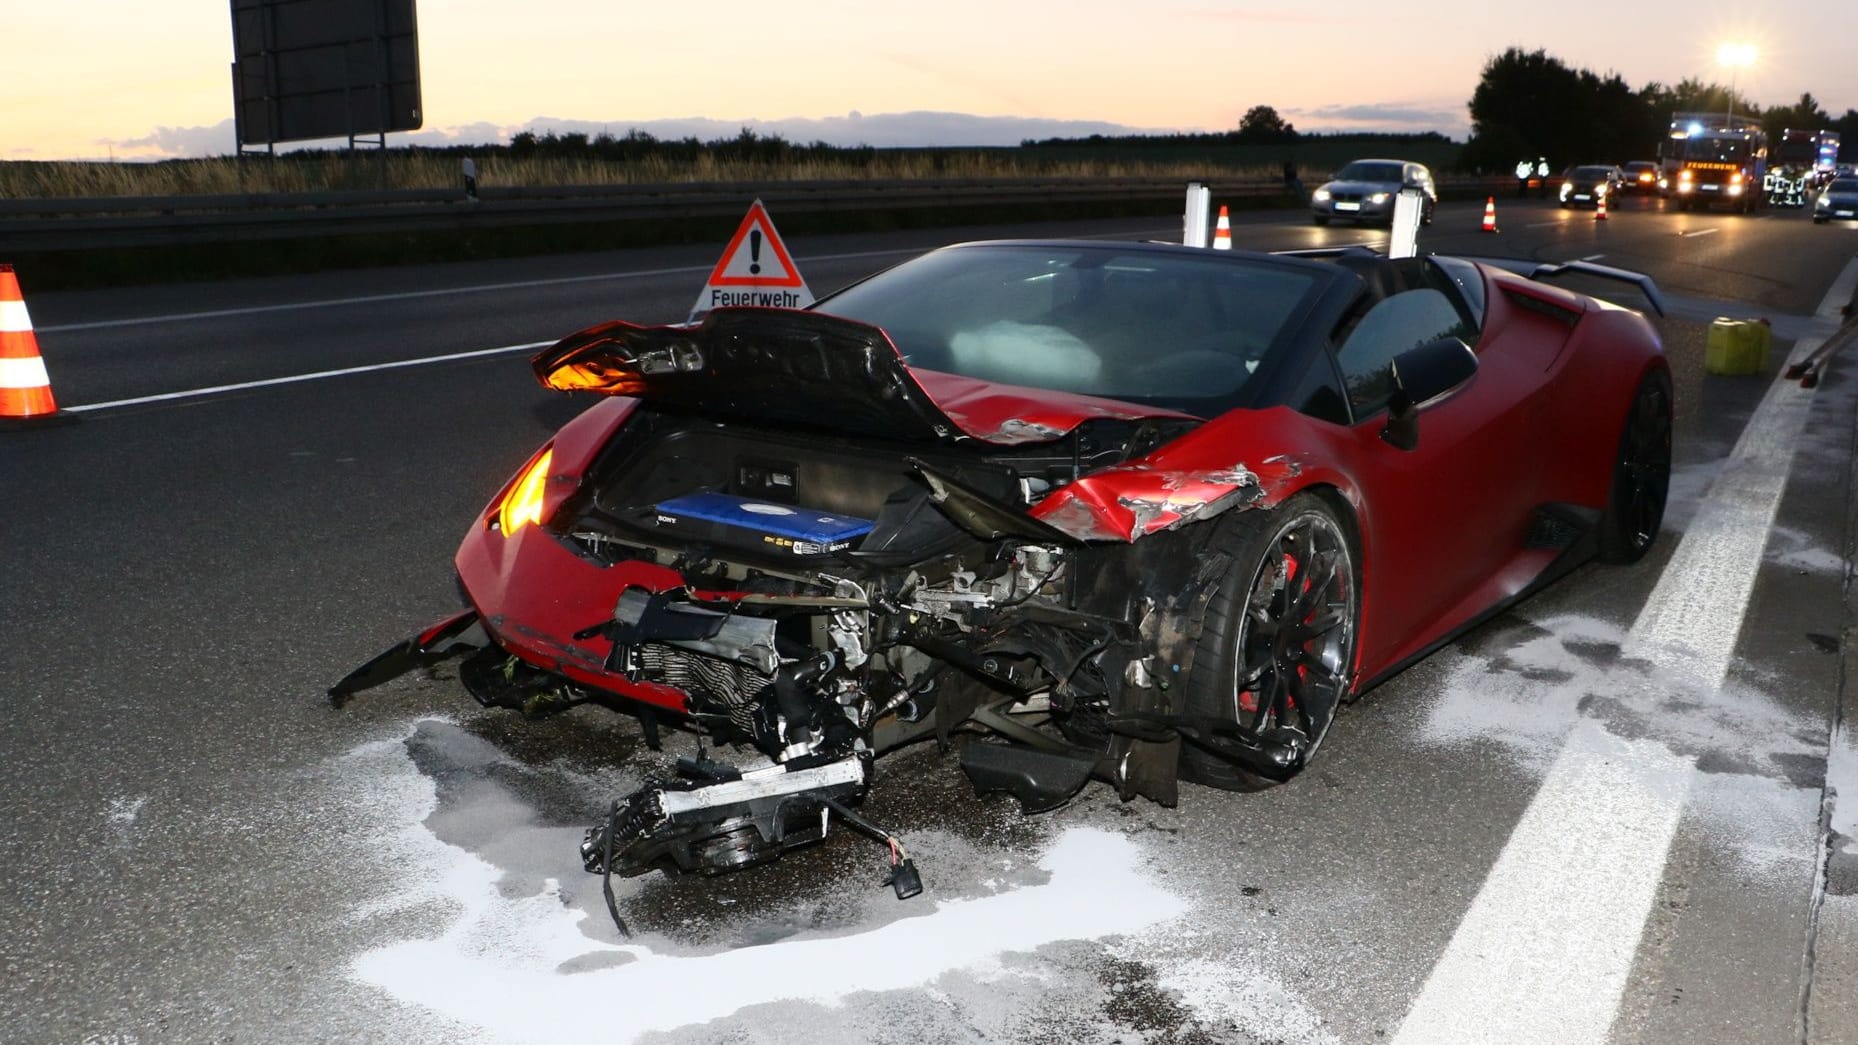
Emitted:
pixel 470 179
pixel 1292 184
pixel 1523 167
pixel 1541 171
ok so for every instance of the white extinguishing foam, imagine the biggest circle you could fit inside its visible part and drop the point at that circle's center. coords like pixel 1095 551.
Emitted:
pixel 1544 952
pixel 499 965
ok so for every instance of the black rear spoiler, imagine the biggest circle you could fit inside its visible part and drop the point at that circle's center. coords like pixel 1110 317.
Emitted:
pixel 1542 271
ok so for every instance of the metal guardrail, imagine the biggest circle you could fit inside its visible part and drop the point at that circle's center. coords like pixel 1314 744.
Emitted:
pixel 92 223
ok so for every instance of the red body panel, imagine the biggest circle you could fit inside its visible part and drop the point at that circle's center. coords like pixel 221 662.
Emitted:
pixel 1441 528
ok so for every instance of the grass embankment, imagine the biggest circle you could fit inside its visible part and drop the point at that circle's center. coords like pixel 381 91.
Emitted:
pixel 550 162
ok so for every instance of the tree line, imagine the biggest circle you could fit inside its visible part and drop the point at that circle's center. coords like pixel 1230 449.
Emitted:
pixel 1530 104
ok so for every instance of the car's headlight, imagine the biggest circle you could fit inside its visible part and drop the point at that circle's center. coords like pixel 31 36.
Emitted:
pixel 523 504
pixel 1684 175
pixel 1599 190
pixel 1379 197
pixel 1320 195
pixel 1822 202
pixel 1565 189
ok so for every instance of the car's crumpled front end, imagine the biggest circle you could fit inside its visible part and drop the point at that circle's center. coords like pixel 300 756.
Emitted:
pixel 777 534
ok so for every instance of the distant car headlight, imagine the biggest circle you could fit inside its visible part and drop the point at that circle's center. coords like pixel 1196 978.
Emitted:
pixel 1734 188
pixel 1379 197
pixel 1320 195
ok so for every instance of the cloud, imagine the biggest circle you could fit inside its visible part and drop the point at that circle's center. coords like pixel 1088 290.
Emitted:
pixel 882 130
pixel 170 142
pixel 1402 118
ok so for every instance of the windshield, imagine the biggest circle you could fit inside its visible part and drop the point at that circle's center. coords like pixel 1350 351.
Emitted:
pixel 1592 173
pixel 1178 329
pixel 1716 150
pixel 1363 170
pixel 1843 185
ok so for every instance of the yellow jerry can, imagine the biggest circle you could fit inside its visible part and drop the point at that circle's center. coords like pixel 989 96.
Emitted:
pixel 1737 346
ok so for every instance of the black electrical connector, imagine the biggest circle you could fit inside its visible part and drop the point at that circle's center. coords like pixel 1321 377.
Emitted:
pixel 905 879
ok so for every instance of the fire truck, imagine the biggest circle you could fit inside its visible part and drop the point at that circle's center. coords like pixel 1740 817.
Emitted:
pixel 1813 154
pixel 1711 158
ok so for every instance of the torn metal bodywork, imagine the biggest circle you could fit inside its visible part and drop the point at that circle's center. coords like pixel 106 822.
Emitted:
pixel 1081 498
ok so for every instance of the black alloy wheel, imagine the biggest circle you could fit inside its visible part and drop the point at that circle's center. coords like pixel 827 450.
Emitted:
pixel 1276 655
pixel 1641 474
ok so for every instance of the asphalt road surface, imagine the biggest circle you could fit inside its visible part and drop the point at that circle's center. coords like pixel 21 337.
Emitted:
pixel 1612 814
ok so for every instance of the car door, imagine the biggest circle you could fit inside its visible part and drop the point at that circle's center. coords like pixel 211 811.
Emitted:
pixel 1444 521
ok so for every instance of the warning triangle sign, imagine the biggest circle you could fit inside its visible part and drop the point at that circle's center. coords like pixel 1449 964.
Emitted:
pixel 755 270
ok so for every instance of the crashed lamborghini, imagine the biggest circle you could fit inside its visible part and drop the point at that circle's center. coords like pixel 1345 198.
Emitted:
pixel 1133 512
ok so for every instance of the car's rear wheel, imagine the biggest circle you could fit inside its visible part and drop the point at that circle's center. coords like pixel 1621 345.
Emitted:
pixel 1641 474
pixel 1276 654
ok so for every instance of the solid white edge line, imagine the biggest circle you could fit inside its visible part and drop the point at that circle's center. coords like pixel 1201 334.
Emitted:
pixel 195 393
pixel 1544 952
pixel 1840 293
pixel 409 295
pixel 1701 232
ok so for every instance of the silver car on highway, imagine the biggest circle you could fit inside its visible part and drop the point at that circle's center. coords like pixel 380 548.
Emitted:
pixel 1365 190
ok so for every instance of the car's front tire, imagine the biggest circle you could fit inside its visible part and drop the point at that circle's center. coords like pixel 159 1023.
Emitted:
pixel 1641 474
pixel 1276 652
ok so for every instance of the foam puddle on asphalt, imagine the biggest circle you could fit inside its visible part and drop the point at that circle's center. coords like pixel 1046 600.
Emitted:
pixel 521 968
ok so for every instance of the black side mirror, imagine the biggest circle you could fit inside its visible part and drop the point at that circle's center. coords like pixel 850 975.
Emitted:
pixel 1421 375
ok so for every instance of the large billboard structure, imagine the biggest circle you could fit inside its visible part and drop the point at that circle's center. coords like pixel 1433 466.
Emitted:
pixel 306 69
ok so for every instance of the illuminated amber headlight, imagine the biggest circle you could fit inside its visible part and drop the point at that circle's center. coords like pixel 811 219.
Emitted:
pixel 1684 175
pixel 523 504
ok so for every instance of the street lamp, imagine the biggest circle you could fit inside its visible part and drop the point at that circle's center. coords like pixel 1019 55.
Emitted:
pixel 1734 56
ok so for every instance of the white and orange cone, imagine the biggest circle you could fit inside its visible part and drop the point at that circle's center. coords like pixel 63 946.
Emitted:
pixel 1490 214
pixel 1222 230
pixel 25 388
pixel 1599 210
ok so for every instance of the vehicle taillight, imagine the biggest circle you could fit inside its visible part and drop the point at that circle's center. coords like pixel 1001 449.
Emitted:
pixel 523 504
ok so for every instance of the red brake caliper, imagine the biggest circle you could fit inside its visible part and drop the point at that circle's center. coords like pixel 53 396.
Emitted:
pixel 1248 699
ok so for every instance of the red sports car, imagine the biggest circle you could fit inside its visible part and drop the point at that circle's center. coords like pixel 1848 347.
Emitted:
pixel 1135 511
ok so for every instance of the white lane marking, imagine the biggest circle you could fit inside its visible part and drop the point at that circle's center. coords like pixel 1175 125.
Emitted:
pixel 23 373
pixel 195 393
pixel 1544 951
pixel 408 295
pixel 1593 257
pixel 1547 224
pixel 1701 232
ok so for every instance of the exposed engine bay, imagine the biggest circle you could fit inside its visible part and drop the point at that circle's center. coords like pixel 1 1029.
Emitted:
pixel 819 598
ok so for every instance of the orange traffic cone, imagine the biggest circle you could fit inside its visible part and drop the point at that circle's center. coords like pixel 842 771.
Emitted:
pixel 1490 214
pixel 25 389
pixel 1599 210
pixel 1222 231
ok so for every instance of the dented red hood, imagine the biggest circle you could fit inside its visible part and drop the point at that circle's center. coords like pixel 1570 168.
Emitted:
pixel 783 366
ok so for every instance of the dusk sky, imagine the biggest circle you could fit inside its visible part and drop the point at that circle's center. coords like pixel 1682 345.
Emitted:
pixel 150 78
